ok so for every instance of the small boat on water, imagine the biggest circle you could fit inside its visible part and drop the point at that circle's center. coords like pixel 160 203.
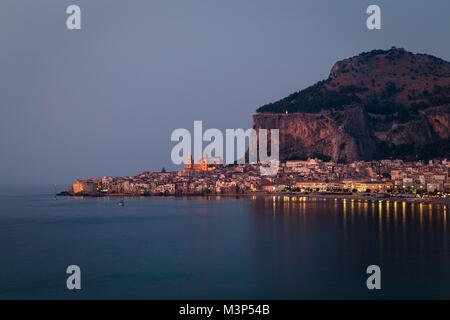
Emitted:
pixel 121 203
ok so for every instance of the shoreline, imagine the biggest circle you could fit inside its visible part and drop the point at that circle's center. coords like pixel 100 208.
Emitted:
pixel 280 196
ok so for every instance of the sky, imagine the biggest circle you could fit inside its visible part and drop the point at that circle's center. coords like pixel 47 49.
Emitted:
pixel 105 99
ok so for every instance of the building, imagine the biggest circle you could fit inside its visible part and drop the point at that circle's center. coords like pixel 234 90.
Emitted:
pixel 368 186
pixel 85 186
pixel 203 166
pixel 295 163
pixel 320 186
pixel 435 186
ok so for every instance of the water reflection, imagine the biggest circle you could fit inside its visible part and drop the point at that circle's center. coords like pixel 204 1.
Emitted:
pixel 341 236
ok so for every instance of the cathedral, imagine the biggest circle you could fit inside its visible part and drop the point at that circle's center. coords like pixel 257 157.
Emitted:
pixel 203 166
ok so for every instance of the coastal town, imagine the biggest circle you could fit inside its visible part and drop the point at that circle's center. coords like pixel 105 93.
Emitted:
pixel 363 110
pixel 209 177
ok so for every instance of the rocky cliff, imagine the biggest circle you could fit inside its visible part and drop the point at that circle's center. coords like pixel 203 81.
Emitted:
pixel 379 104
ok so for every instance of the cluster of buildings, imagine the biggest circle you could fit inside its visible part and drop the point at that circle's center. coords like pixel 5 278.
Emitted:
pixel 312 175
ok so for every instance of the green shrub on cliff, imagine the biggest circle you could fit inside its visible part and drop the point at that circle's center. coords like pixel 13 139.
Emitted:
pixel 314 99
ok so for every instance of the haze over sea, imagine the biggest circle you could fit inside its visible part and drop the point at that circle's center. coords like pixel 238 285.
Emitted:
pixel 219 248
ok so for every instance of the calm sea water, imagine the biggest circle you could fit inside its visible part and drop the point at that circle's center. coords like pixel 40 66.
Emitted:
pixel 180 248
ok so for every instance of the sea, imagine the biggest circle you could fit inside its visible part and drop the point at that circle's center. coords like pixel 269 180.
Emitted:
pixel 220 247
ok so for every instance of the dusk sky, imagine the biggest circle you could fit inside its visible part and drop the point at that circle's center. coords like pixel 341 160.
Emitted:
pixel 105 99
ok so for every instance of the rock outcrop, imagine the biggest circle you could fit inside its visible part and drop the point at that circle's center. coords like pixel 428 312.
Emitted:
pixel 379 104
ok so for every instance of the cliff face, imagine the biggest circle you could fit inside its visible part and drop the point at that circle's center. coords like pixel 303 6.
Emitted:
pixel 379 104
pixel 305 135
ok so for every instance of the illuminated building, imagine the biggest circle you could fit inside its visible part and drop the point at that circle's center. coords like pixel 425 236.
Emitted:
pixel 203 166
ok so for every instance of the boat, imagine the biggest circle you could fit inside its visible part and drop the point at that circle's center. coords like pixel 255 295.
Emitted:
pixel 121 203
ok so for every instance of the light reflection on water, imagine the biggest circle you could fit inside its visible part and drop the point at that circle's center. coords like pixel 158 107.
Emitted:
pixel 341 236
